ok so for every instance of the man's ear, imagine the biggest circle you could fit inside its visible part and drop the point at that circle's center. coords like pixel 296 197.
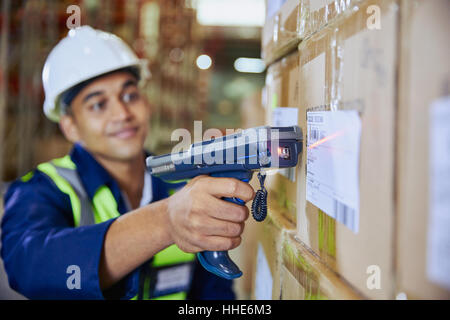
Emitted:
pixel 69 128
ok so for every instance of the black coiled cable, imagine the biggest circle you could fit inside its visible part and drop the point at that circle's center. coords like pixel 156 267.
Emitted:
pixel 259 204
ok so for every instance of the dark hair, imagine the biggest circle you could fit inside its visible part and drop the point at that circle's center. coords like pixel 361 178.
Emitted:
pixel 70 94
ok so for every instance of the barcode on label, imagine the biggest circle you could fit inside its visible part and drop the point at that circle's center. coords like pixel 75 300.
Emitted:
pixel 313 134
pixel 345 215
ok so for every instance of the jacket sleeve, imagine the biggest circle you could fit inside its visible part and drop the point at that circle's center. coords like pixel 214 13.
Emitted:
pixel 44 255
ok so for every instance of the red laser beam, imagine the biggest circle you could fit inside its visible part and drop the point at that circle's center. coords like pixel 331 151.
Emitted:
pixel 327 138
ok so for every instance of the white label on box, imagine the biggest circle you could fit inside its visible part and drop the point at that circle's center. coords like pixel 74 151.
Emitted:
pixel 263 285
pixel 284 117
pixel 438 264
pixel 332 176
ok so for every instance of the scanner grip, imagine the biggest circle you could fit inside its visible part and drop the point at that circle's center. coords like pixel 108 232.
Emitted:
pixel 219 262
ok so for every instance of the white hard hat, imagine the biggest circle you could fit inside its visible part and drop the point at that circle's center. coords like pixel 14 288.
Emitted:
pixel 83 54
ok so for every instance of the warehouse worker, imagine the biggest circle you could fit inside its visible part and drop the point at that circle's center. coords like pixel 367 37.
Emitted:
pixel 81 226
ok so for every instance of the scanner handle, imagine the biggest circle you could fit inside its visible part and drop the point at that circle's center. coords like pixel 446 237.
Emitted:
pixel 219 262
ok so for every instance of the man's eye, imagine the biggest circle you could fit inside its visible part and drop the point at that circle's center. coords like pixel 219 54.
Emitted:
pixel 130 97
pixel 98 106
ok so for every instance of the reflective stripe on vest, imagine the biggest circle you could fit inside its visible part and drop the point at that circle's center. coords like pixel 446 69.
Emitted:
pixel 104 207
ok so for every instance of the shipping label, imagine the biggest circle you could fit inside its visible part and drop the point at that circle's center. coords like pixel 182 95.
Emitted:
pixel 332 169
pixel 438 264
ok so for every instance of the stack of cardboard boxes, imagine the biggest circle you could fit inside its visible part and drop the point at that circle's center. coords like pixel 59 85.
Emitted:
pixel 361 216
pixel 423 152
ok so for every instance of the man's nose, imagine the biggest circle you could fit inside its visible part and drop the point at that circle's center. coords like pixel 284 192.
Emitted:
pixel 120 110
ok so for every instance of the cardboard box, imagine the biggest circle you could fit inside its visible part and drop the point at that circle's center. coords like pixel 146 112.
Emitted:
pixel 266 275
pixel 252 111
pixel 424 78
pixel 252 115
pixel 282 88
pixel 246 254
pixel 347 66
pixel 305 277
pixel 290 21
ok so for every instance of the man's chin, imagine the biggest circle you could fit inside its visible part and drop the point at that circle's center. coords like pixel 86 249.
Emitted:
pixel 125 151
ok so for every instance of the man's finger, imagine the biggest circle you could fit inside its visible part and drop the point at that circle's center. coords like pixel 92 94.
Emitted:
pixel 228 187
pixel 216 227
pixel 225 210
pixel 216 243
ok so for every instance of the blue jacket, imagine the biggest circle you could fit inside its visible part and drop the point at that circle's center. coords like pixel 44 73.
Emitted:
pixel 39 240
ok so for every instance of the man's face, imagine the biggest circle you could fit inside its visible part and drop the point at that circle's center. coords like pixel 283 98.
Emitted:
pixel 109 117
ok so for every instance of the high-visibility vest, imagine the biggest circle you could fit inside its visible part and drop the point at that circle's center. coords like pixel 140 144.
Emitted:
pixel 166 263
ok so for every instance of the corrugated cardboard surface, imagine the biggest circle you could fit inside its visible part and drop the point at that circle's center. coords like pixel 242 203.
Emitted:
pixel 252 114
pixel 283 91
pixel 297 273
pixel 346 66
pixel 304 276
pixel 270 236
pixel 280 33
pixel 424 77
pixel 252 111
pixel 245 256
pixel 296 20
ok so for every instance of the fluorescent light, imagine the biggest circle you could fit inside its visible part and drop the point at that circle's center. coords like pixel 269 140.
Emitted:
pixel 249 65
pixel 231 12
pixel 204 62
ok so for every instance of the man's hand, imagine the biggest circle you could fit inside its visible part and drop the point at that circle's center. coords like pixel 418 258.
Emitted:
pixel 200 220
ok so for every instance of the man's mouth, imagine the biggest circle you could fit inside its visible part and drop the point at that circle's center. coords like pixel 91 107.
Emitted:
pixel 125 133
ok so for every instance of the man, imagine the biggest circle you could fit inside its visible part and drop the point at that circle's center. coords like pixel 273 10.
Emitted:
pixel 80 227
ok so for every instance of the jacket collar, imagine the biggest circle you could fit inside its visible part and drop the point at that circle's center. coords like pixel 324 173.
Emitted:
pixel 91 173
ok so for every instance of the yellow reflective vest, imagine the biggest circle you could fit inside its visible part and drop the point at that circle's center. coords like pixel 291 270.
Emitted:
pixel 155 277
